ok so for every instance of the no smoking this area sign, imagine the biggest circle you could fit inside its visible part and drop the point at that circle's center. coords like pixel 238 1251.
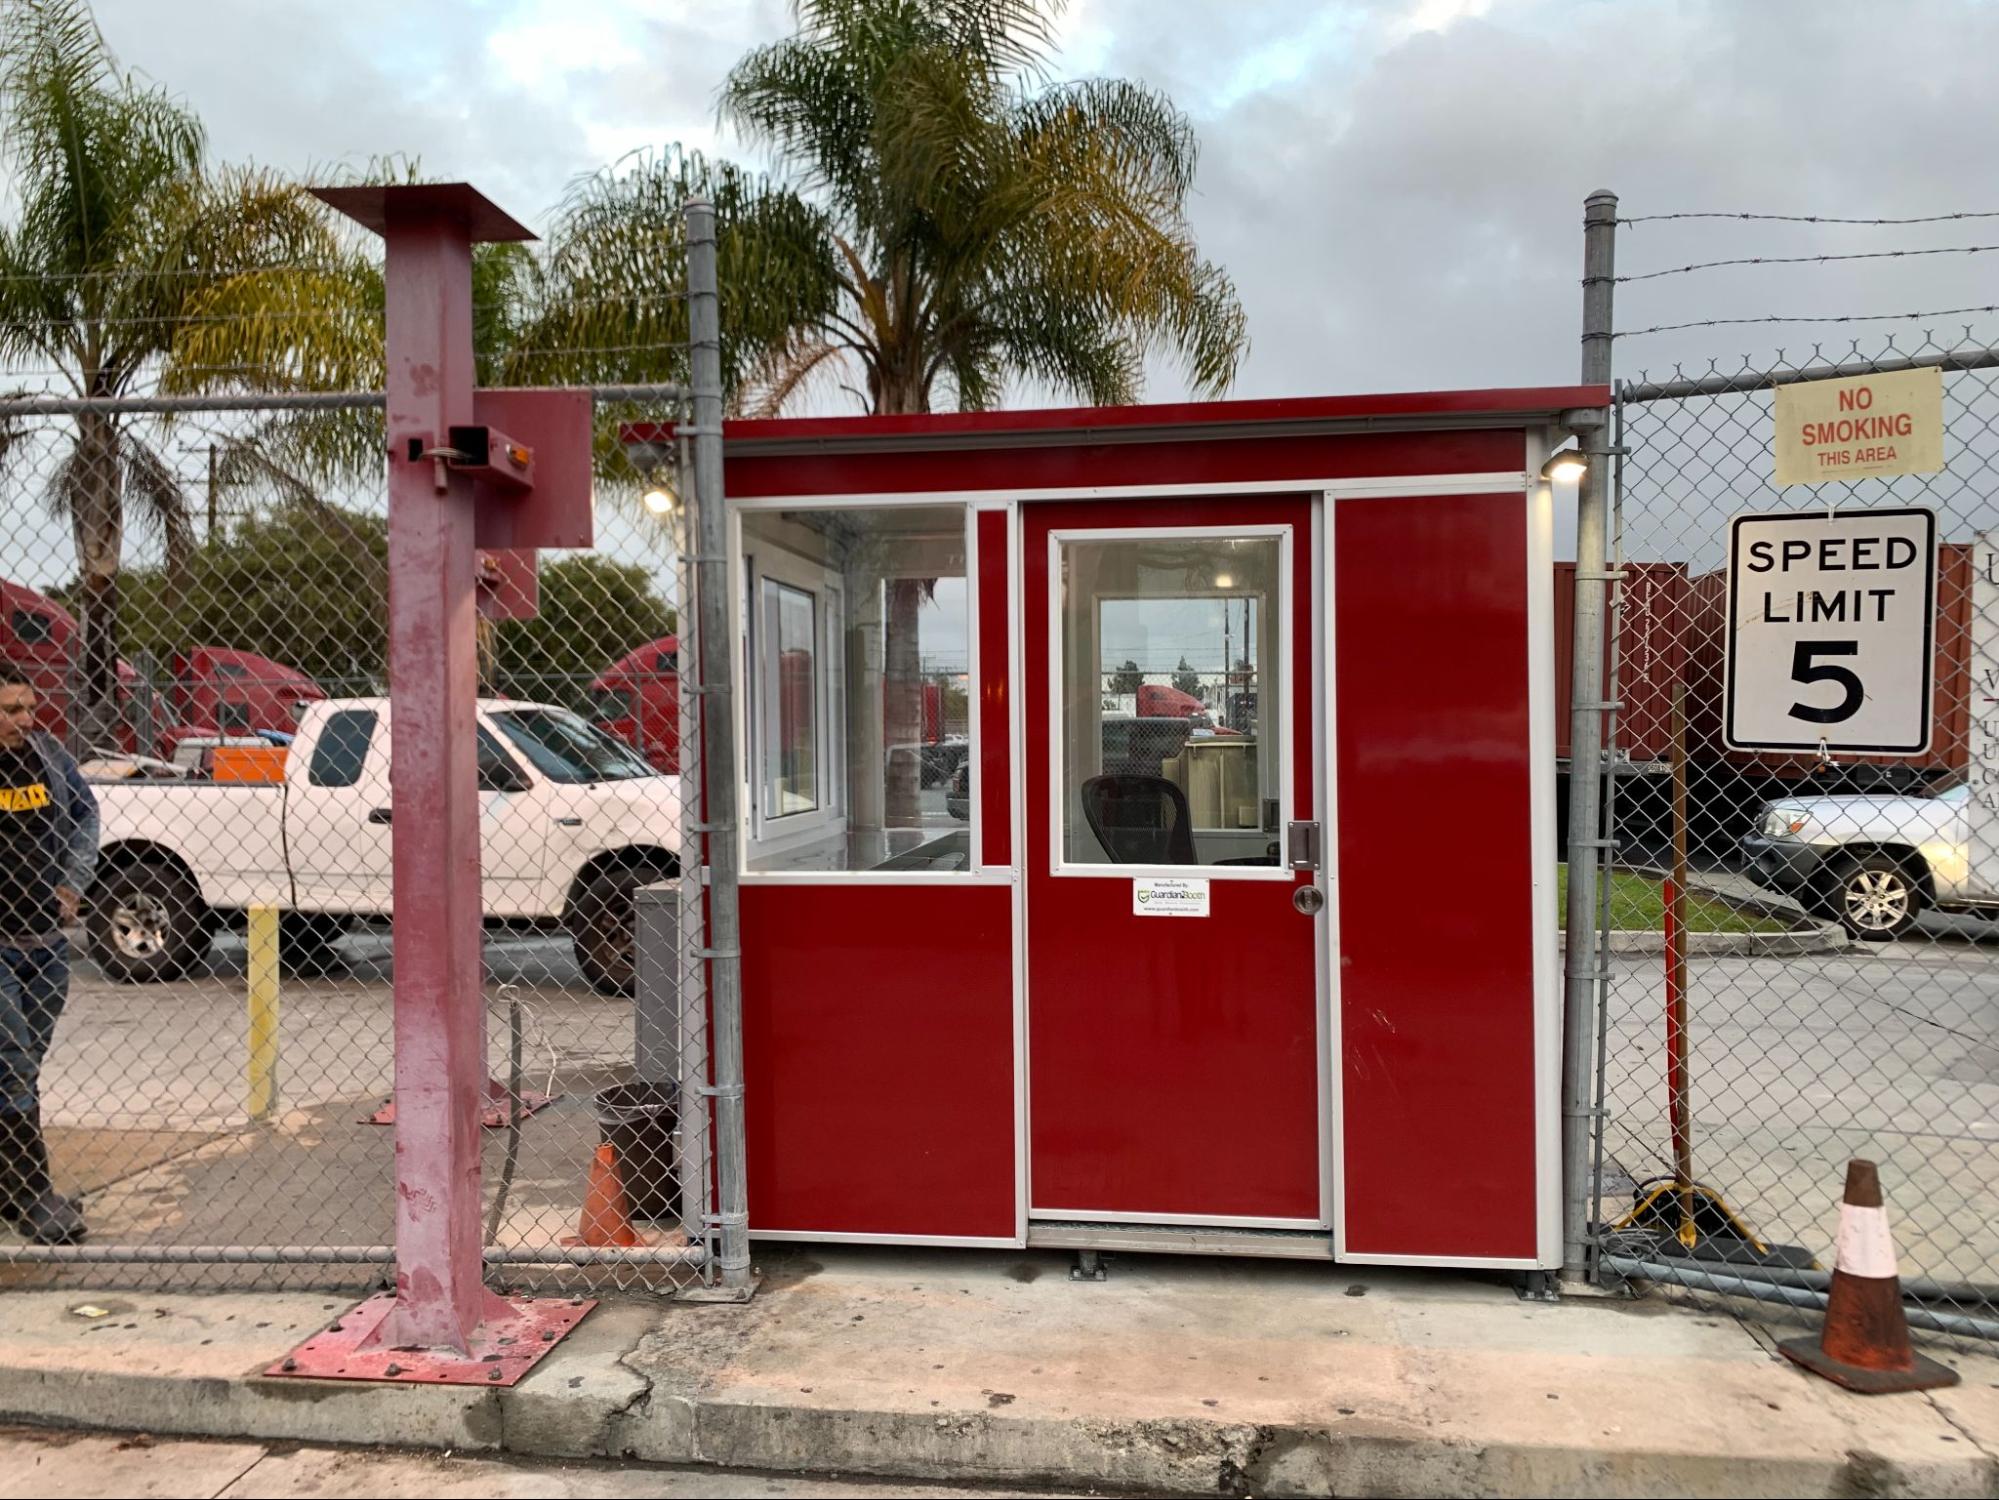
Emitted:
pixel 1830 631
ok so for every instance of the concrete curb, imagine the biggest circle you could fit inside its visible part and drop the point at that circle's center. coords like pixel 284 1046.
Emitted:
pixel 543 1418
pixel 1822 937
pixel 628 1385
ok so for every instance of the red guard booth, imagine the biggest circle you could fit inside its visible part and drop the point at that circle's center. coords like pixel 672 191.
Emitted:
pixel 1148 826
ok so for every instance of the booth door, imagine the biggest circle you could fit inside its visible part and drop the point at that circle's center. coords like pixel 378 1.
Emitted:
pixel 1174 1038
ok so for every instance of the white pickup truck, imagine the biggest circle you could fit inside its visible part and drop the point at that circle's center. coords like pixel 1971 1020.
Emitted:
pixel 571 823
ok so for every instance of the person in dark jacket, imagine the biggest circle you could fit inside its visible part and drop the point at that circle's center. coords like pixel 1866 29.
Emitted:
pixel 48 851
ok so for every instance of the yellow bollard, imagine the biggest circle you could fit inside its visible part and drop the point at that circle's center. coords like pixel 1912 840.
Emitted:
pixel 262 1069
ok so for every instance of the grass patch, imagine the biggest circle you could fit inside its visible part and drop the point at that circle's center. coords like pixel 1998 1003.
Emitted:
pixel 1638 904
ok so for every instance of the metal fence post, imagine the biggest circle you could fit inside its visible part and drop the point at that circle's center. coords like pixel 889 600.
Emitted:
pixel 1586 747
pixel 710 533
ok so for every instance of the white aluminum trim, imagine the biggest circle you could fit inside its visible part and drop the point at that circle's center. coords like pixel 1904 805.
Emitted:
pixel 1540 519
pixel 1057 789
pixel 975 812
pixel 1481 482
pixel 1002 876
pixel 1211 1221
pixel 1175 872
pixel 1183 1239
pixel 780 565
pixel 1335 1029
pixel 848 1237
pixel 1469 1262
pixel 1164 533
pixel 740 605
pixel 821 821
pixel 1017 815
pixel 1324 979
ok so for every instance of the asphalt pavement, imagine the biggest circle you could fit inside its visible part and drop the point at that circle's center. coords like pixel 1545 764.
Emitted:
pixel 1798 1062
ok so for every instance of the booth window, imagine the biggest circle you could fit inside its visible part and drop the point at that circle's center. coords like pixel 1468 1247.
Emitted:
pixel 859 644
pixel 1170 704
pixel 791 700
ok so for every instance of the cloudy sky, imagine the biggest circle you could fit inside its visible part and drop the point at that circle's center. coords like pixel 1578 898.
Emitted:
pixel 1396 185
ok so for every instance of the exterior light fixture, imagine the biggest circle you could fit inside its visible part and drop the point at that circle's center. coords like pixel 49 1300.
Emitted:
pixel 659 499
pixel 1565 467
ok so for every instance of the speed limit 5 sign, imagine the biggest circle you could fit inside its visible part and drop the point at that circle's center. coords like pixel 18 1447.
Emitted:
pixel 1831 622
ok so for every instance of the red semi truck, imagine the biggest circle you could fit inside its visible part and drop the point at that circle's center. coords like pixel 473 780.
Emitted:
pixel 212 692
pixel 1672 630
pixel 637 698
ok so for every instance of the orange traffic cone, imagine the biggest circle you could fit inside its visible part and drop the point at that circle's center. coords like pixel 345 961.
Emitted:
pixel 607 1217
pixel 1864 1345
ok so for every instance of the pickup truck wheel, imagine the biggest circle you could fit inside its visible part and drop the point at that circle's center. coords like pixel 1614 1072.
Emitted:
pixel 147 924
pixel 600 925
pixel 1877 898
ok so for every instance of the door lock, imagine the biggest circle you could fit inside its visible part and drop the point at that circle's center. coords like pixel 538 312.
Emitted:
pixel 1301 846
pixel 1309 899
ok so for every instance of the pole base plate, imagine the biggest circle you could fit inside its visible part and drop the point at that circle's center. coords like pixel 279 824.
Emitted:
pixel 719 1293
pixel 503 1348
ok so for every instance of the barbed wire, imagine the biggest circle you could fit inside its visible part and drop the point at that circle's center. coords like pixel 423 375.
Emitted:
pixel 122 273
pixel 1795 260
pixel 1940 312
pixel 1810 218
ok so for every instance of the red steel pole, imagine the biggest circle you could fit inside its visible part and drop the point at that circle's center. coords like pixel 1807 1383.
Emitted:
pixel 440 1078
pixel 442 1324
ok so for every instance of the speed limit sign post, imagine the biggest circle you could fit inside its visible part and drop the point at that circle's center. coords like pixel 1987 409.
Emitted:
pixel 1831 622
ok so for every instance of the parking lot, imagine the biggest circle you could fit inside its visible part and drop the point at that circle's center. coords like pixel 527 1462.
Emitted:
pixel 1800 1062
pixel 146 1100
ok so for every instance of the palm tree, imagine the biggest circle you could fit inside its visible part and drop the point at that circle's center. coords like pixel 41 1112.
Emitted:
pixel 129 265
pixel 954 221
pixel 986 224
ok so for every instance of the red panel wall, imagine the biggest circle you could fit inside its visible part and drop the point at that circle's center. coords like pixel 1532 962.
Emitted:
pixel 1435 839
pixel 878 1058
pixel 995 743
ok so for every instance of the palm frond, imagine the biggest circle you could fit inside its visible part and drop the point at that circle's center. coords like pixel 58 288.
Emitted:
pixel 786 371
pixel 611 301
pixel 152 488
pixel 261 292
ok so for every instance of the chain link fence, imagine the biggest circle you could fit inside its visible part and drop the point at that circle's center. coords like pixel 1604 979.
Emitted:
pixel 201 621
pixel 1841 990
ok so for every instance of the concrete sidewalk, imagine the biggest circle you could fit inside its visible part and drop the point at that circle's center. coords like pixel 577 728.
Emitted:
pixel 1176 1376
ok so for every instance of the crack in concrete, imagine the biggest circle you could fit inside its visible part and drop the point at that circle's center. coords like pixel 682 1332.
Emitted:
pixel 638 1407
pixel 248 1469
pixel 1960 1429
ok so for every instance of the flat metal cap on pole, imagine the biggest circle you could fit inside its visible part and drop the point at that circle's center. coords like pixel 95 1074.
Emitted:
pixel 375 205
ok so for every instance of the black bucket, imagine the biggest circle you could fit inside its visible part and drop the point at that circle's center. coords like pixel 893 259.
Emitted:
pixel 638 1121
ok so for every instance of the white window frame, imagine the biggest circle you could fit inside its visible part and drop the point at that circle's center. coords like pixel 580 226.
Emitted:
pixel 774 833
pixel 1284 614
pixel 748 567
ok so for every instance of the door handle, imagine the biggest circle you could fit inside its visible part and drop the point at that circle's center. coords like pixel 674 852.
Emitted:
pixel 1303 851
pixel 381 815
pixel 568 822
